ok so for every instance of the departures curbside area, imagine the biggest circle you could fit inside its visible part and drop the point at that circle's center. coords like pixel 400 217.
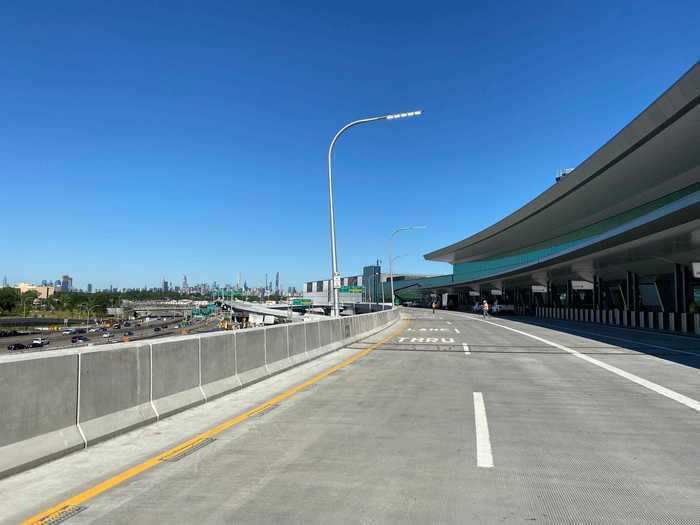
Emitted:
pixel 60 401
pixel 678 322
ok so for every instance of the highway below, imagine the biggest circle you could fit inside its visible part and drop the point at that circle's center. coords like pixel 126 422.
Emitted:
pixel 442 418
pixel 147 330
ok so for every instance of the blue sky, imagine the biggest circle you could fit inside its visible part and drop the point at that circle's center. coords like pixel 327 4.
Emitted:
pixel 143 140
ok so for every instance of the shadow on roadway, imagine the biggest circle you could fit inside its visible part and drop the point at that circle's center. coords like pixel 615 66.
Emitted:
pixel 684 350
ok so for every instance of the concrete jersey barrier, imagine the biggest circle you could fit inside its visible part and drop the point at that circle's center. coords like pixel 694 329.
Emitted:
pixel 59 401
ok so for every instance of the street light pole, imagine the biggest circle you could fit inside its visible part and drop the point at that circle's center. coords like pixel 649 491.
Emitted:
pixel 335 278
pixel 391 271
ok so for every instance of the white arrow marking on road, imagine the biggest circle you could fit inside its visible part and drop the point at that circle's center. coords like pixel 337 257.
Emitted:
pixel 484 457
pixel 465 347
pixel 448 322
pixel 456 331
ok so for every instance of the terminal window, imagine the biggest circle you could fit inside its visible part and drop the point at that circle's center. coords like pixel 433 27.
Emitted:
pixel 319 286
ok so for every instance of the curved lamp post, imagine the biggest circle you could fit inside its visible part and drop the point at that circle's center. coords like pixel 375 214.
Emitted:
pixel 335 279
pixel 391 271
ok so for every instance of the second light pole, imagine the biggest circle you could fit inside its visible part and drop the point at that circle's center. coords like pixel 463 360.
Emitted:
pixel 391 270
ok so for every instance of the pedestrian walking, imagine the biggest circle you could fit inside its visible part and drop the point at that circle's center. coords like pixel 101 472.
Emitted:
pixel 485 309
pixel 434 307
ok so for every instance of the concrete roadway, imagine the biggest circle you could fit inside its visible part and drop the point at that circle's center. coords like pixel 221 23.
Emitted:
pixel 451 420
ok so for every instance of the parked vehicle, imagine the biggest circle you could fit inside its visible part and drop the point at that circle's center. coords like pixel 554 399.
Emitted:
pixel 79 339
pixel 16 346
pixel 107 335
pixel 128 333
pixel 156 329
pixel 503 309
pixel 40 342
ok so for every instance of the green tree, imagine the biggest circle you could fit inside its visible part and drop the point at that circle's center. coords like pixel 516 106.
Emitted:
pixel 9 299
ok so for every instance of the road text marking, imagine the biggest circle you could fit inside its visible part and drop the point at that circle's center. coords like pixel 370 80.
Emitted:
pixel 465 347
pixel 484 457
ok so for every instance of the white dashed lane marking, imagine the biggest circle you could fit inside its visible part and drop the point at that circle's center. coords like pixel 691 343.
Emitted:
pixel 484 456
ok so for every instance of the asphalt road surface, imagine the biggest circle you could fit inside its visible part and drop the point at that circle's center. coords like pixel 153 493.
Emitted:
pixel 447 419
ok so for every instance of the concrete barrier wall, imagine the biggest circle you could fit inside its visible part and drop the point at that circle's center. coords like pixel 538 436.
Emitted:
pixel 115 391
pixel 277 349
pixel 250 355
pixel 60 401
pixel 218 358
pixel 176 375
pixel 297 343
pixel 38 410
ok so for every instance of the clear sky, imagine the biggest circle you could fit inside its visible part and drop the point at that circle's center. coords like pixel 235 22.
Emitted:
pixel 142 140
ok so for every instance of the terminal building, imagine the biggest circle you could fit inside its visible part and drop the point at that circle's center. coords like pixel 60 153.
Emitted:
pixel 616 240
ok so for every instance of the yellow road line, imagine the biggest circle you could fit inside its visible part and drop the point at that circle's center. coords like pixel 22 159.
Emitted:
pixel 129 473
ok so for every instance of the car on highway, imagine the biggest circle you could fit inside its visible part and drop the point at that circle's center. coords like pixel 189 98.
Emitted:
pixel 67 331
pixel 156 329
pixel 16 346
pixel 128 333
pixel 40 341
pixel 79 339
pixel 107 335
pixel 95 329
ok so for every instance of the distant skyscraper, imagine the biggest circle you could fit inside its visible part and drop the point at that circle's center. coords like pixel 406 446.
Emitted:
pixel 89 288
pixel 277 283
pixel 165 285
pixel 184 283
pixel 4 282
pixel 66 283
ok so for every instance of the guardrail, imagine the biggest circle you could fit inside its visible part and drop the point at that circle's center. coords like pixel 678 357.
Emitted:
pixel 59 401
